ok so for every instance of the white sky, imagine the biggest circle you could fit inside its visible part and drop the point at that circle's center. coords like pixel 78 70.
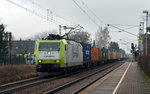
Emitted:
pixel 24 24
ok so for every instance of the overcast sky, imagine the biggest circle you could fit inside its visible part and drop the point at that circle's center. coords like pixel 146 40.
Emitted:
pixel 24 24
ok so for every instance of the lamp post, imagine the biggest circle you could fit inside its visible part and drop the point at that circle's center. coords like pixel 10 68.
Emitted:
pixel 141 31
pixel 146 12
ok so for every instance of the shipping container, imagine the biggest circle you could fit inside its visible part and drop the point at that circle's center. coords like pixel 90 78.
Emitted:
pixel 121 55
pixel 86 52
pixel 109 55
pixel 106 54
pixel 103 54
pixel 118 56
pixel 96 54
pixel 114 55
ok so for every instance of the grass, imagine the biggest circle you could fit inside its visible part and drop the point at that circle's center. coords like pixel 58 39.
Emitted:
pixel 144 64
pixel 11 73
pixel 145 76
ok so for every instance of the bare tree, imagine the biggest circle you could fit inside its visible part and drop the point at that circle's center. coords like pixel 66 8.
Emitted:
pixel 81 37
pixel 44 34
pixel 102 37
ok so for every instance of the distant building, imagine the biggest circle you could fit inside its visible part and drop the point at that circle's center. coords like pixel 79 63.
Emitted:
pixel 22 47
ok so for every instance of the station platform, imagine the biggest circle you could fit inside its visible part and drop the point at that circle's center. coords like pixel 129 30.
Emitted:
pixel 127 79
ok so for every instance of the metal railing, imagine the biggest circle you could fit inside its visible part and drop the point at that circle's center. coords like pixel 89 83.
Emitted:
pixel 15 59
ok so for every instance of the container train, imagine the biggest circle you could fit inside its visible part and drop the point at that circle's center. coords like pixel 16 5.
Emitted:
pixel 56 56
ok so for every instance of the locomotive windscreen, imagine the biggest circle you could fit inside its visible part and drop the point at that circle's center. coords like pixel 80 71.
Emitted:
pixel 49 46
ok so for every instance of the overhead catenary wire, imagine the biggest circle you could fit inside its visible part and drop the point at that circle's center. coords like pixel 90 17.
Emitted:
pixel 117 37
pixel 40 6
pixel 85 13
pixel 123 30
pixel 39 14
pixel 125 25
pixel 131 27
pixel 92 12
pixel 34 12
pixel 113 34
pixel 64 19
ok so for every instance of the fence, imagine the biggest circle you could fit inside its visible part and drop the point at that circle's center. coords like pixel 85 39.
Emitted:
pixel 144 62
pixel 14 59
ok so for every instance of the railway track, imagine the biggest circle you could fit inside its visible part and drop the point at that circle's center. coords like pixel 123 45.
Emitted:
pixel 13 84
pixel 29 83
pixel 74 87
pixel 20 85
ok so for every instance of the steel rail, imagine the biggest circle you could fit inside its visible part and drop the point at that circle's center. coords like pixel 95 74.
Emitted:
pixel 82 88
pixel 20 85
pixel 55 90
pixel 12 84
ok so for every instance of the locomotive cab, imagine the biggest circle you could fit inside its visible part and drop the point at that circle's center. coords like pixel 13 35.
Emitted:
pixel 53 56
pixel 49 55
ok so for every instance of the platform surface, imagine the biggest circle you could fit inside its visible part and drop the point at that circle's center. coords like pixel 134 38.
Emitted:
pixel 134 82
pixel 128 79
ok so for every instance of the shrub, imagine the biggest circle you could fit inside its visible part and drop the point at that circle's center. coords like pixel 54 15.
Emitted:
pixel 9 73
pixel 144 62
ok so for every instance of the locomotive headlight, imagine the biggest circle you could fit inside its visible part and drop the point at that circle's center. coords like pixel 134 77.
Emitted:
pixel 40 61
pixel 49 53
pixel 57 61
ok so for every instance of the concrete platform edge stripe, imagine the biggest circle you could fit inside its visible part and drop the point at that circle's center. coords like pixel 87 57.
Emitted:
pixel 121 79
pixel 100 81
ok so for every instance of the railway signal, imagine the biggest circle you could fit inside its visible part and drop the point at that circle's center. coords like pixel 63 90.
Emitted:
pixel 148 29
pixel 132 46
